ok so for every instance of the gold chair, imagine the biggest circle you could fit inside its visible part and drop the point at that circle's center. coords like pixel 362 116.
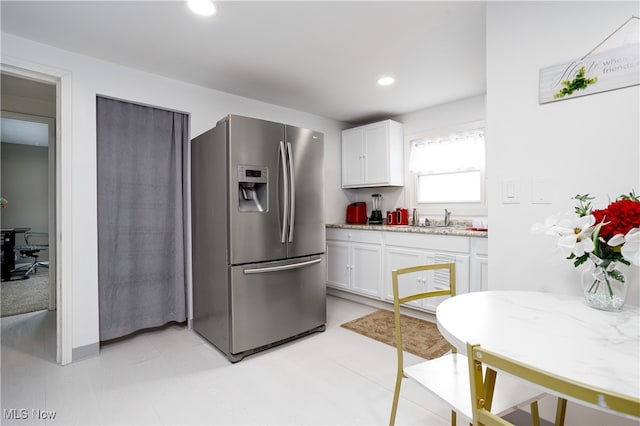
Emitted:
pixel 447 377
pixel 480 358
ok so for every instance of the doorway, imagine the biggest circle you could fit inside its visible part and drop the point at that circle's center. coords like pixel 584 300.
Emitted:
pixel 28 177
pixel 22 103
pixel 28 184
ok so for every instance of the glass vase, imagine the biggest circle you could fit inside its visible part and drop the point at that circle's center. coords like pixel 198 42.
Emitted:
pixel 605 289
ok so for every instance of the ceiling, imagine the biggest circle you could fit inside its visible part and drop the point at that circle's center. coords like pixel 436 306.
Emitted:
pixel 320 57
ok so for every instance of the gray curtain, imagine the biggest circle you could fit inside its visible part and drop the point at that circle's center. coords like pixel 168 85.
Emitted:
pixel 140 154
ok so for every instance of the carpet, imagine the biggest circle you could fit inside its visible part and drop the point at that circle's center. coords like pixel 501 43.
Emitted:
pixel 22 296
pixel 420 337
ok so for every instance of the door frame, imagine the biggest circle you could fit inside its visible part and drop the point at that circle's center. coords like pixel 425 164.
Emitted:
pixel 63 195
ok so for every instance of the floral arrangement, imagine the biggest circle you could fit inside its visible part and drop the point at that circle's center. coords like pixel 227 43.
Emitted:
pixel 599 239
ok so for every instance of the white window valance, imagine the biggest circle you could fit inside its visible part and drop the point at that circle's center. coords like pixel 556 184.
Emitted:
pixel 454 153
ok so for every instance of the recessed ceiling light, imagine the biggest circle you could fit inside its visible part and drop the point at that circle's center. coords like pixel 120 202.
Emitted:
pixel 385 81
pixel 202 7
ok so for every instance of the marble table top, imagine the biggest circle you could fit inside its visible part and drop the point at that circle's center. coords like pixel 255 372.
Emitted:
pixel 556 333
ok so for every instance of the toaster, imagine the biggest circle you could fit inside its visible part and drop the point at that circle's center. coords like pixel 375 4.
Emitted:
pixel 357 212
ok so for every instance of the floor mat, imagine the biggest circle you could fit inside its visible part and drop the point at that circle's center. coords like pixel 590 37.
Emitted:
pixel 419 337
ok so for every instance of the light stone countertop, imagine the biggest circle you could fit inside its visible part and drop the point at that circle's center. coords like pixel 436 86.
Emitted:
pixel 455 230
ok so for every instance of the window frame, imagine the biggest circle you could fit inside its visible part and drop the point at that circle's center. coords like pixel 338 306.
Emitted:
pixel 459 208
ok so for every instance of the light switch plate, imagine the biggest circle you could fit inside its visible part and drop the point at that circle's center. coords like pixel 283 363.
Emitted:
pixel 511 191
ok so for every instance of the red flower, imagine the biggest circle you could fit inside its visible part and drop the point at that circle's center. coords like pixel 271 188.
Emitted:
pixel 621 215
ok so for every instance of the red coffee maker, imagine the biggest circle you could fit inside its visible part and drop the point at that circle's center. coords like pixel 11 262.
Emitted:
pixel 357 213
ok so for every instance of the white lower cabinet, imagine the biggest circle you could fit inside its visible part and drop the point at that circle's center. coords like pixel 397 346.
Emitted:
pixel 338 260
pixel 354 261
pixel 396 258
pixel 404 250
pixel 479 264
pixel 361 262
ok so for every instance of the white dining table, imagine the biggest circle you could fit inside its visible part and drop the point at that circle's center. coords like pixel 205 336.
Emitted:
pixel 556 333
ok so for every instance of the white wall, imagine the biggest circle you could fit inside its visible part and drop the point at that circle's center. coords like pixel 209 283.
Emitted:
pixel 90 77
pixel 25 184
pixel 585 144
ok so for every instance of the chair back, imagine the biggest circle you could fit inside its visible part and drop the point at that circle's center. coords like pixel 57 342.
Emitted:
pixel 478 357
pixel 39 240
pixel 398 301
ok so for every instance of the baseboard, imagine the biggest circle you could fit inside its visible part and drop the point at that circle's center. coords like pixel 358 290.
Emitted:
pixel 84 352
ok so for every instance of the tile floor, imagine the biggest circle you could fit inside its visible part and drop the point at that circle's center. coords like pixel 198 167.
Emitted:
pixel 173 376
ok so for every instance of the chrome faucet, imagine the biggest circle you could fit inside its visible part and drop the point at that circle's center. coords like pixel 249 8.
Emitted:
pixel 447 214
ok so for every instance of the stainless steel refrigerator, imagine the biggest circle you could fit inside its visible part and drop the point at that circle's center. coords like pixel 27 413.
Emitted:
pixel 258 234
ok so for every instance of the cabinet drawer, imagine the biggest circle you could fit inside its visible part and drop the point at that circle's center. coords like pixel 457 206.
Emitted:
pixel 428 242
pixel 372 237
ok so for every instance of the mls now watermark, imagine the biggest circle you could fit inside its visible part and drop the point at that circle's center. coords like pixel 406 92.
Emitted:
pixel 25 414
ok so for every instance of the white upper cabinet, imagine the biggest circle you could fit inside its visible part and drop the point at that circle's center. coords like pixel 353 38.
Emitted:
pixel 373 155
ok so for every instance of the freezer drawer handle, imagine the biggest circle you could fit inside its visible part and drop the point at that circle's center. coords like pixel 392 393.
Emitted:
pixel 282 268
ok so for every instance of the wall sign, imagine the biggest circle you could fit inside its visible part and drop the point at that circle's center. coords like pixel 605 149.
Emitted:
pixel 601 72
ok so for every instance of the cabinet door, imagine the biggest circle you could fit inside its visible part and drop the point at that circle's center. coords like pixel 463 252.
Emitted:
pixel 338 264
pixel 396 258
pixel 479 268
pixel 352 157
pixel 479 277
pixel 376 153
pixel 365 268
pixel 439 279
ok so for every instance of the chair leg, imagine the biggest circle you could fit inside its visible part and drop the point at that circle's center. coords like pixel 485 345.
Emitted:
pixel 396 396
pixel 561 411
pixel 32 268
pixel 535 416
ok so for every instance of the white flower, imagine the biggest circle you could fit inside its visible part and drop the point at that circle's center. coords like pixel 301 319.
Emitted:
pixel 631 248
pixel 550 223
pixel 616 240
pixel 575 234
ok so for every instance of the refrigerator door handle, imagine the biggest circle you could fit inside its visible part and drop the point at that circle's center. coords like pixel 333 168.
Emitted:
pixel 282 267
pixel 283 157
pixel 292 196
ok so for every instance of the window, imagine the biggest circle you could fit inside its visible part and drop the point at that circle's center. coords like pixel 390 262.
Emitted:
pixel 449 168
